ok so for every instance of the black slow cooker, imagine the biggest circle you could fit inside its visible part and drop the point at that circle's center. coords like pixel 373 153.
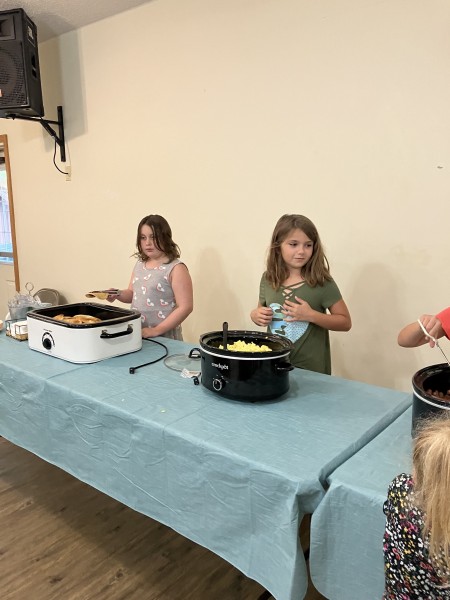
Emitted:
pixel 246 376
pixel 428 383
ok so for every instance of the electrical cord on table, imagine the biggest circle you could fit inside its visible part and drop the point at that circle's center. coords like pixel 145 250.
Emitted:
pixel 152 362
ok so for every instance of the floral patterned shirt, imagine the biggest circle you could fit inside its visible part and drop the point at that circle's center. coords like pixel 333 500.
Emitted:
pixel 409 574
pixel 153 295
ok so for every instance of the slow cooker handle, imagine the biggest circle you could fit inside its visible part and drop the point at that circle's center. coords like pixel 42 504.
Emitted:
pixel 284 366
pixel 105 335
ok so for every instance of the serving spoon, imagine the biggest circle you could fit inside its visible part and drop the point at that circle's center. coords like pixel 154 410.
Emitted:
pixel 225 335
pixel 433 339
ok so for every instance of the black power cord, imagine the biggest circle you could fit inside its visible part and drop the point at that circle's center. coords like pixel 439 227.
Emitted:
pixel 152 362
pixel 54 162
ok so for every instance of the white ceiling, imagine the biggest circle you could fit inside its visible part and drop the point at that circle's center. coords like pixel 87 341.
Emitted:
pixel 54 17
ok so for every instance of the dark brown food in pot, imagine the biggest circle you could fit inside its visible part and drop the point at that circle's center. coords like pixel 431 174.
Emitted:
pixel 444 397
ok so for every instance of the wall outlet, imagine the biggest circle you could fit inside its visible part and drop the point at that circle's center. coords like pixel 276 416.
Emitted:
pixel 68 173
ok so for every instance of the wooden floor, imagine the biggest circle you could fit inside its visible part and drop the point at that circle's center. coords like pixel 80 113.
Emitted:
pixel 63 540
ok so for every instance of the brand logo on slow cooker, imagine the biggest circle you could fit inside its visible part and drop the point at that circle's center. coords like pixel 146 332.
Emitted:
pixel 219 366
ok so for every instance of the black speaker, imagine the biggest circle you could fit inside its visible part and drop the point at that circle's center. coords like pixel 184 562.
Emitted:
pixel 20 80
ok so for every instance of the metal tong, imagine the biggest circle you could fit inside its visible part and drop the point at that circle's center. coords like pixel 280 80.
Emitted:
pixel 436 343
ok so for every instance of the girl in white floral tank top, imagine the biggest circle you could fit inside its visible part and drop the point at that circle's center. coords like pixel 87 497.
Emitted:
pixel 160 287
pixel 153 295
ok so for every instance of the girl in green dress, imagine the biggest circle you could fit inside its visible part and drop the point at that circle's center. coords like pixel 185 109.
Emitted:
pixel 298 298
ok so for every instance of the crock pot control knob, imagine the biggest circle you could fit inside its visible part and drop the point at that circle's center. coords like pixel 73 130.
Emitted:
pixel 218 384
pixel 47 341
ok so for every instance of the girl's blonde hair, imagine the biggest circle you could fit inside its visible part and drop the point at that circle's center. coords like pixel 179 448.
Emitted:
pixel 315 272
pixel 431 463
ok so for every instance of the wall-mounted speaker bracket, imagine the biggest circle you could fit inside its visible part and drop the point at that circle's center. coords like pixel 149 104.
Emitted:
pixel 46 124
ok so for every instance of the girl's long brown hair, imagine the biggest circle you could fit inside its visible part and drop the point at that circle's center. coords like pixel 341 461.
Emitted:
pixel 315 272
pixel 163 237
pixel 431 461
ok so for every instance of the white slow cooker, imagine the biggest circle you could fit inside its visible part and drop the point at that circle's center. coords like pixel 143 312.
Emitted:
pixel 118 332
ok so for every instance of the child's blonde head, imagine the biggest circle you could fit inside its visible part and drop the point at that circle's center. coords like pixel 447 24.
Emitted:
pixel 431 463
pixel 315 272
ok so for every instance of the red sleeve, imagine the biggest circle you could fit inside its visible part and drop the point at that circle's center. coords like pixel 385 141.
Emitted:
pixel 444 318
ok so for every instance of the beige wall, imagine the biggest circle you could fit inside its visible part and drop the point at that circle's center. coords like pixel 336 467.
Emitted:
pixel 224 115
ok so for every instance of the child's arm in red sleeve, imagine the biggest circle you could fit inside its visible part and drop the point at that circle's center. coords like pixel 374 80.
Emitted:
pixel 444 318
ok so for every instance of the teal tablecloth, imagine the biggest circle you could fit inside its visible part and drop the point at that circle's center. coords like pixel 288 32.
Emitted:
pixel 346 559
pixel 235 477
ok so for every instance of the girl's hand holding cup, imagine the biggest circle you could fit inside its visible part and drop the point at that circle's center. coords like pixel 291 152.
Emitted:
pixel 262 316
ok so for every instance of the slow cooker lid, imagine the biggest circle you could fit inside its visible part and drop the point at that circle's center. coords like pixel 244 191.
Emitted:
pixel 179 362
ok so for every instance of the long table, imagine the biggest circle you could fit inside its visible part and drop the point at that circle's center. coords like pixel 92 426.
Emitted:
pixel 235 477
pixel 346 552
